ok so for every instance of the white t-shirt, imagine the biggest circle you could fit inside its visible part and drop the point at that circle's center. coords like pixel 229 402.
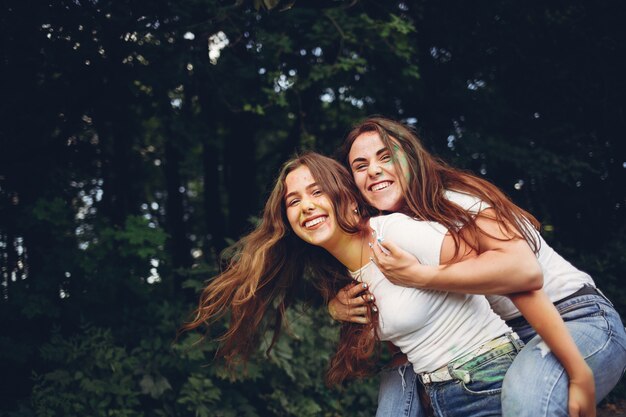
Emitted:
pixel 560 278
pixel 431 327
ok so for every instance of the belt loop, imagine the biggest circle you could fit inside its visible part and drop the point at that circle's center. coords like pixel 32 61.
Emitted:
pixel 461 375
pixel 515 340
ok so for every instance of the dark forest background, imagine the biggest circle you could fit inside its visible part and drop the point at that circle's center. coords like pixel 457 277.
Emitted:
pixel 138 139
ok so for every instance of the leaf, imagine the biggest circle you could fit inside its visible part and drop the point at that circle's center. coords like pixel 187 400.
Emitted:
pixel 155 386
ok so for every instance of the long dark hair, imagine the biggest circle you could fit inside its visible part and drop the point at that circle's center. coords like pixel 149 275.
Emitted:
pixel 271 261
pixel 430 177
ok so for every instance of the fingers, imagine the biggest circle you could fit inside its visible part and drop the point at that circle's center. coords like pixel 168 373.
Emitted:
pixel 355 289
pixel 356 295
pixel 359 314
pixel 381 259
pixel 367 297
pixel 378 243
pixel 375 252
pixel 359 311
pixel 351 304
pixel 377 248
pixel 387 247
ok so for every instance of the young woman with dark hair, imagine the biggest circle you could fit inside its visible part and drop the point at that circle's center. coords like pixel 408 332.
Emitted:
pixel 395 173
pixel 316 220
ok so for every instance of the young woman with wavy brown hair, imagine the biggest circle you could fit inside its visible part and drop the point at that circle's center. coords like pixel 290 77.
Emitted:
pixel 316 219
pixel 395 173
pixel 258 285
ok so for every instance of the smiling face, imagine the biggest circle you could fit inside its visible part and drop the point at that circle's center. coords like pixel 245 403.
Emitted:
pixel 375 173
pixel 310 213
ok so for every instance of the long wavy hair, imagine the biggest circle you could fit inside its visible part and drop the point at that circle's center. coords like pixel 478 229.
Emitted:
pixel 259 282
pixel 428 179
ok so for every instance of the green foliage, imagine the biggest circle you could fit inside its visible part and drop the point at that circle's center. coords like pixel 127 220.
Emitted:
pixel 136 239
pixel 92 376
pixel 199 395
pixel 93 373
pixel 55 212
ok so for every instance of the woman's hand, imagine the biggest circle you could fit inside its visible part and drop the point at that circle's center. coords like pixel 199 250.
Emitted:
pixel 351 304
pixel 582 396
pixel 399 266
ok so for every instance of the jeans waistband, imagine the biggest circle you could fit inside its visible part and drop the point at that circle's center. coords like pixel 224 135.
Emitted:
pixel 585 290
pixel 447 372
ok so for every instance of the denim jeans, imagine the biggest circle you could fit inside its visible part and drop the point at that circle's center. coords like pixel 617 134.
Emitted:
pixel 397 395
pixel 479 396
pixel 599 334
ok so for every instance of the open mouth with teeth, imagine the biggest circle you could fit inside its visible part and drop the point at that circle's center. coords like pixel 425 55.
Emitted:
pixel 380 185
pixel 309 224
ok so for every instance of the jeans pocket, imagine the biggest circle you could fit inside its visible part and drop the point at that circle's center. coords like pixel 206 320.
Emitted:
pixel 486 378
pixel 581 310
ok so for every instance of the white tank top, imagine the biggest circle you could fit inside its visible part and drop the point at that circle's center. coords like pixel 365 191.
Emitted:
pixel 431 327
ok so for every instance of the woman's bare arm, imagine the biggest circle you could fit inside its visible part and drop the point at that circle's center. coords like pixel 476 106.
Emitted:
pixel 500 256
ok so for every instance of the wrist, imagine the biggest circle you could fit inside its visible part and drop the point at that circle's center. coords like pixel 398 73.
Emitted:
pixel 580 372
pixel 416 276
pixel 428 274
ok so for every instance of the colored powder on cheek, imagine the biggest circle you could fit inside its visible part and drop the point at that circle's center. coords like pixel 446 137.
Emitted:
pixel 400 156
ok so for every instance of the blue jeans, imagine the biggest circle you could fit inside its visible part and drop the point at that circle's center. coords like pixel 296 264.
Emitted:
pixel 479 396
pixel 599 334
pixel 397 395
